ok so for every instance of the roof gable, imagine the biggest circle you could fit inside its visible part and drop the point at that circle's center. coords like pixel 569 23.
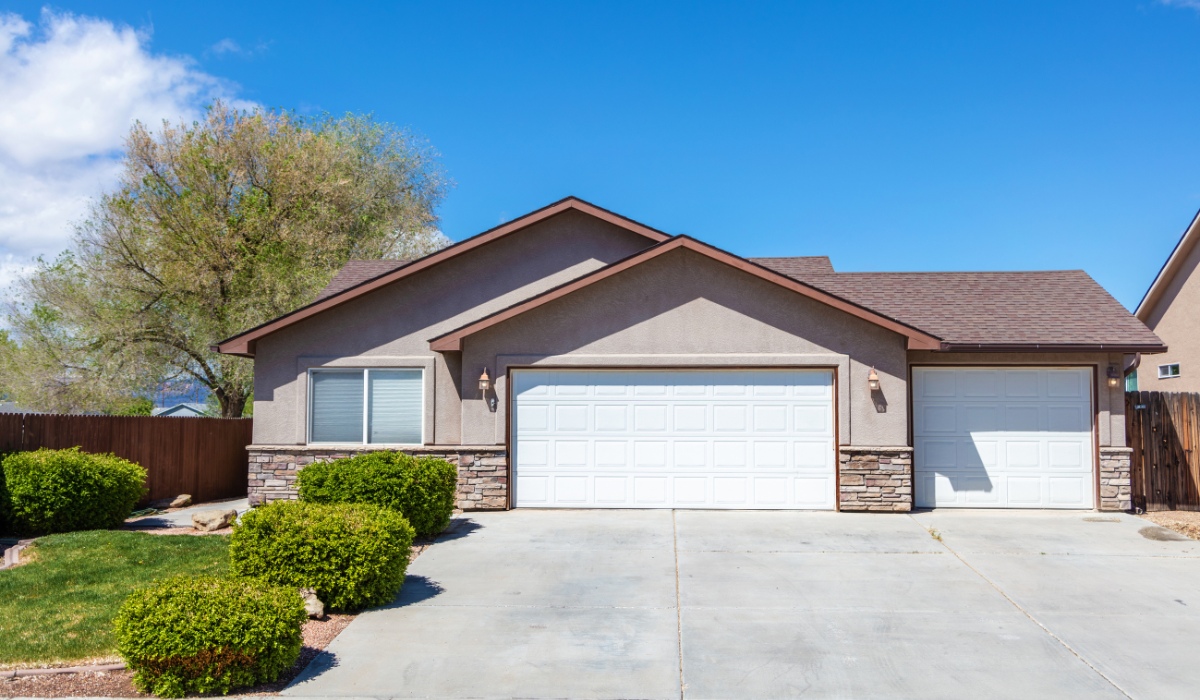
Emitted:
pixel 363 276
pixel 917 339
pixel 1171 268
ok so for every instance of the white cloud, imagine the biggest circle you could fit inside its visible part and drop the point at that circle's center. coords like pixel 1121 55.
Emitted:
pixel 228 46
pixel 71 87
pixel 1193 4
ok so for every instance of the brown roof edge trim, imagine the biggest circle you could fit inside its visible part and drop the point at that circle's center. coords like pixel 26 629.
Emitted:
pixel 242 343
pixel 917 339
pixel 1050 347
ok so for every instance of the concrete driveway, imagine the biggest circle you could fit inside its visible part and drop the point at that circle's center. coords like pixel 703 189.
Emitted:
pixel 710 604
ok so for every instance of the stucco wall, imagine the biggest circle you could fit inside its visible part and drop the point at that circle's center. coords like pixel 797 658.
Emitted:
pixel 1174 318
pixel 1110 401
pixel 684 309
pixel 392 326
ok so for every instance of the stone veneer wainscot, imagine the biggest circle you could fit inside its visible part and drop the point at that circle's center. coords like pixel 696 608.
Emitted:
pixel 875 478
pixel 482 470
pixel 1115 486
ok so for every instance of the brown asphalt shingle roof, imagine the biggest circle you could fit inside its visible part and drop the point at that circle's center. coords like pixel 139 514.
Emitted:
pixel 1055 308
pixel 357 272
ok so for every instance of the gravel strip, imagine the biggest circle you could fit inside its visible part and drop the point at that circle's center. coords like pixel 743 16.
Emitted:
pixel 1185 522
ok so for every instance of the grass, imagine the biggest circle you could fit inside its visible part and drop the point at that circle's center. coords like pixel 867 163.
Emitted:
pixel 59 607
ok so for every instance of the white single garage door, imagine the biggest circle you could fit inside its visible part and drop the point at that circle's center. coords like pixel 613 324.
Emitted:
pixel 673 439
pixel 991 437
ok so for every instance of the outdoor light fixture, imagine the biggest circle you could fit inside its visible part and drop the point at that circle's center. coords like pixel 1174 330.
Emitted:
pixel 873 380
pixel 1114 375
pixel 485 382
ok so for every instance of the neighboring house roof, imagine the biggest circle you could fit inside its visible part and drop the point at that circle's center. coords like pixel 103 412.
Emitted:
pixel 182 410
pixel 243 343
pixel 916 338
pixel 1059 310
pixel 1170 268
pixel 12 407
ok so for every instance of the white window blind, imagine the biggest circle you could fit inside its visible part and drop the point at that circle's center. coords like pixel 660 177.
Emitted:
pixel 337 406
pixel 395 406
pixel 384 406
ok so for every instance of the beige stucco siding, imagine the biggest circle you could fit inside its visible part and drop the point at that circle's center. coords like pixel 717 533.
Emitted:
pixel 392 326
pixel 1110 401
pixel 683 309
pixel 1176 319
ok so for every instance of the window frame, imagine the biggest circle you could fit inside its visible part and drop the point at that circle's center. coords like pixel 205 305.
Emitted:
pixel 1167 374
pixel 365 372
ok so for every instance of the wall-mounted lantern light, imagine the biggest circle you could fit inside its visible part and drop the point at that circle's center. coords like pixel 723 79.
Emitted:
pixel 485 382
pixel 873 380
pixel 1114 375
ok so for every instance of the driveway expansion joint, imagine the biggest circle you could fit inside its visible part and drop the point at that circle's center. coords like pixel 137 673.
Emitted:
pixel 939 537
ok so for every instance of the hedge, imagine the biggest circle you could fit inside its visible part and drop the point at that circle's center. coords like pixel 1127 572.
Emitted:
pixel 51 491
pixel 353 555
pixel 422 489
pixel 208 635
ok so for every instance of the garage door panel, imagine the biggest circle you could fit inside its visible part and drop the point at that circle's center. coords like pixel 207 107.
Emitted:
pixel 675 438
pixel 1031 446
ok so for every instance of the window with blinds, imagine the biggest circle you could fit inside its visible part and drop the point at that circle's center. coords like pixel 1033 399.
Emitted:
pixel 383 406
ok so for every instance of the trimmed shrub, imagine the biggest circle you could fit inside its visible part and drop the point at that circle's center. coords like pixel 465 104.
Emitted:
pixel 66 490
pixel 208 635
pixel 353 554
pixel 421 488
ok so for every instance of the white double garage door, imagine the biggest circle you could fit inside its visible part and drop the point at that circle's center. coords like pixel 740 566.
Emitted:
pixel 673 439
pixel 983 437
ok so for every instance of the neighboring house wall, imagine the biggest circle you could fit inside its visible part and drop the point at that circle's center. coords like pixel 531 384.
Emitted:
pixel 429 303
pixel 1175 317
pixel 686 310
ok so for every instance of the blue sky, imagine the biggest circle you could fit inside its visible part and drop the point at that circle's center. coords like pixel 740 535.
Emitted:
pixel 889 136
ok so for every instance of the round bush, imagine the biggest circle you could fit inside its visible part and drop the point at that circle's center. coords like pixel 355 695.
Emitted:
pixel 353 555
pixel 421 488
pixel 65 490
pixel 208 634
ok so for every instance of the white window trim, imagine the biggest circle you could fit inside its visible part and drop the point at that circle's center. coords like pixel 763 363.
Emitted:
pixel 365 372
pixel 1168 374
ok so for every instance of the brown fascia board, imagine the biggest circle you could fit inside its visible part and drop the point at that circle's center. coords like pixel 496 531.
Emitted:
pixel 1169 269
pixel 917 339
pixel 1126 348
pixel 242 344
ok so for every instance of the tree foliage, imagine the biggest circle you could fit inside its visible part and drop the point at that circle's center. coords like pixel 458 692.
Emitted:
pixel 215 227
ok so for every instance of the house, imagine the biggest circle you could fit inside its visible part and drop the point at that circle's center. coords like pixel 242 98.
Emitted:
pixel 576 358
pixel 1169 308
pixel 182 410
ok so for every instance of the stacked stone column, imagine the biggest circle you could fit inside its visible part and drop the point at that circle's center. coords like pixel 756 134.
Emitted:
pixel 875 479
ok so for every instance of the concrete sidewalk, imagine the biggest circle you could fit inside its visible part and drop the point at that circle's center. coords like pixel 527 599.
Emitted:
pixel 734 604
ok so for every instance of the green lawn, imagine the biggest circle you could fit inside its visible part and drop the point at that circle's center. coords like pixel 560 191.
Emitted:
pixel 60 606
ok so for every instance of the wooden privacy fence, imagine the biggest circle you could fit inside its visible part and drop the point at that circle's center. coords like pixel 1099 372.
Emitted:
pixel 204 457
pixel 1164 431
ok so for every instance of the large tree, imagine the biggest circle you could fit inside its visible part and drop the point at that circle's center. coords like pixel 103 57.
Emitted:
pixel 215 227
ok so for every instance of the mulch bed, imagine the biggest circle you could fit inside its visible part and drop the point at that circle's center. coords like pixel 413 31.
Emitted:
pixel 112 684
pixel 1185 522
pixel 317 634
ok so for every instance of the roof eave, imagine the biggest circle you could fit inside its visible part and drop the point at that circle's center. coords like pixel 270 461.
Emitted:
pixel 1144 348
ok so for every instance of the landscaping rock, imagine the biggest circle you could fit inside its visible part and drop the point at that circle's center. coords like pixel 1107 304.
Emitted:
pixel 183 500
pixel 312 604
pixel 209 520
